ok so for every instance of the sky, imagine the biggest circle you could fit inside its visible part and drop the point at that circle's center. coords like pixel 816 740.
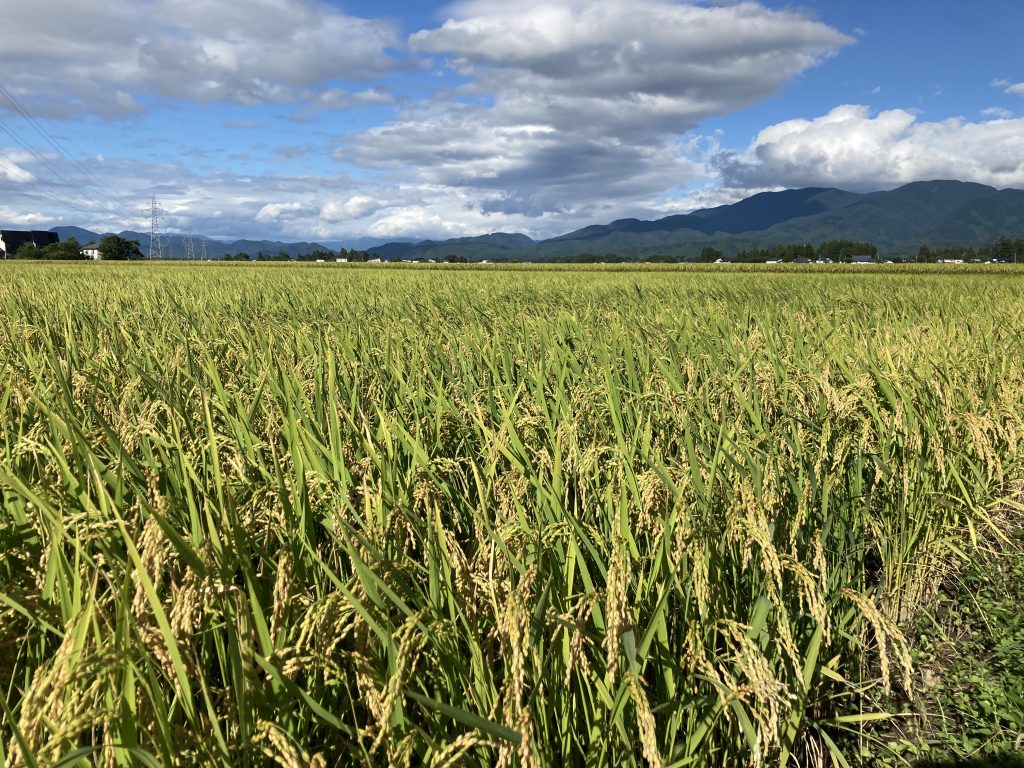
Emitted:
pixel 349 121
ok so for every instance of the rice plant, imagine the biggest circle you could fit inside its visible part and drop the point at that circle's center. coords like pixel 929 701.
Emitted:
pixel 269 515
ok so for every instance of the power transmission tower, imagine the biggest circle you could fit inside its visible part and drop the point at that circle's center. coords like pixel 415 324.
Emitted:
pixel 203 241
pixel 156 213
pixel 190 248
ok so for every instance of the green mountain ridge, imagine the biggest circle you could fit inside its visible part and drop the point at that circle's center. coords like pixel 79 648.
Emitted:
pixel 937 213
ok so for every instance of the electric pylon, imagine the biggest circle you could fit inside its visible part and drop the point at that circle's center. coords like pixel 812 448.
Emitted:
pixel 156 213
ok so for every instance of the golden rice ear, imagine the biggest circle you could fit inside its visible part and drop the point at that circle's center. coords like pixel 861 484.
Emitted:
pixel 645 723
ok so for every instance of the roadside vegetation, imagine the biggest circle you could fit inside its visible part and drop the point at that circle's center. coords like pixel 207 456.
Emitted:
pixel 341 515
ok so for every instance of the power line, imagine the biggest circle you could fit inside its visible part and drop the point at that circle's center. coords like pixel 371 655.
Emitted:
pixel 53 142
pixel 28 178
pixel 65 182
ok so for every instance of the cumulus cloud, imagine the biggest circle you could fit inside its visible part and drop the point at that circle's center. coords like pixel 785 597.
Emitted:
pixel 354 207
pixel 674 62
pixel 279 211
pixel 18 218
pixel 101 59
pixel 586 101
pixel 12 168
pixel 851 148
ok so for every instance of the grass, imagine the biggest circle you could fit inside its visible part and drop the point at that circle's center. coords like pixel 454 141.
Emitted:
pixel 264 515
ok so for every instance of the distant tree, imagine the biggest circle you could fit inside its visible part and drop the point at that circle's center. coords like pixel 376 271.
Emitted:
pixel 845 250
pixel 65 250
pixel 28 251
pixel 1006 249
pixel 707 253
pixel 240 256
pixel 924 253
pixel 116 248
pixel 453 258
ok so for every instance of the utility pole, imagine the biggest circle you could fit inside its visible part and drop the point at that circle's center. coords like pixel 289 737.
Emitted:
pixel 190 248
pixel 156 213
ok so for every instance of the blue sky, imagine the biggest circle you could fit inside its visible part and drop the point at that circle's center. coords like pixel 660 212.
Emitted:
pixel 338 121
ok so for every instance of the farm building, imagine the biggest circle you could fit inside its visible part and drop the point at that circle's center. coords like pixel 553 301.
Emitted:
pixel 12 239
pixel 91 251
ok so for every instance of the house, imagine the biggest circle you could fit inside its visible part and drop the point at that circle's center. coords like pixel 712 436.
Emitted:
pixel 801 260
pixel 12 239
pixel 91 251
pixel 862 258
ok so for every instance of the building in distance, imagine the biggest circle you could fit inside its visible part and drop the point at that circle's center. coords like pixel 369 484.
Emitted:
pixel 12 239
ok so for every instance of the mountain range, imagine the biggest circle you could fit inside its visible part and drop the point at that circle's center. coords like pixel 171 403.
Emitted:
pixel 937 213
pixel 175 246
pixel 898 221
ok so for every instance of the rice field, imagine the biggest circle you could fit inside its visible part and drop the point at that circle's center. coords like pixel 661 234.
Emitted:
pixel 265 515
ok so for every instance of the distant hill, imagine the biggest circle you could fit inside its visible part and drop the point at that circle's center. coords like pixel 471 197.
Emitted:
pixel 939 213
pixel 497 246
pixel 898 221
pixel 757 212
pixel 175 246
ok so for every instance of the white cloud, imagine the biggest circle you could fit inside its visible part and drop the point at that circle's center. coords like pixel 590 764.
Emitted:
pixel 280 211
pixel 631 66
pixel 102 58
pixel 12 168
pixel 338 98
pixel 997 112
pixel 18 218
pixel 1007 86
pixel 851 148
pixel 355 207
pixel 584 102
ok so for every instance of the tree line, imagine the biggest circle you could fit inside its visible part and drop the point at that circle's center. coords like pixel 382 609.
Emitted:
pixel 835 250
pixel 1003 249
pixel 317 255
pixel 111 247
